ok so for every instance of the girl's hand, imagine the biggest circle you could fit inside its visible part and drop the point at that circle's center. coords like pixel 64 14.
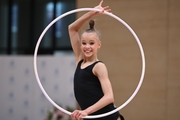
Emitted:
pixel 78 114
pixel 106 8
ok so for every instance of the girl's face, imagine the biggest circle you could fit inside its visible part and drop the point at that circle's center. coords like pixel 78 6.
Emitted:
pixel 90 44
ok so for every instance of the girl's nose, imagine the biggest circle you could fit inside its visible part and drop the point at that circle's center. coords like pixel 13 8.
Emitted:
pixel 87 46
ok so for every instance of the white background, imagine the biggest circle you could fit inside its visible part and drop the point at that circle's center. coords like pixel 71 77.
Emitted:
pixel 20 95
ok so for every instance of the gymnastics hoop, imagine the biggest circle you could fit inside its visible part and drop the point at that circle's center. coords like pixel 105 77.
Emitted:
pixel 111 15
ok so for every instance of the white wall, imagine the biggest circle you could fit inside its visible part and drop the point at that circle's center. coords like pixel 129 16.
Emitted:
pixel 20 95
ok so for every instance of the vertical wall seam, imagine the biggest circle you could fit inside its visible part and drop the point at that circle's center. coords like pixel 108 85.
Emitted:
pixel 167 59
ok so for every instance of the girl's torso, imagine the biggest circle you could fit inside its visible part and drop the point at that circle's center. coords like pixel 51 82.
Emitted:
pixel 88 90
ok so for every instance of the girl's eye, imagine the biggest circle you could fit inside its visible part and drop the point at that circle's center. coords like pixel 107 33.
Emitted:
pixel 83 43
pixel 91 43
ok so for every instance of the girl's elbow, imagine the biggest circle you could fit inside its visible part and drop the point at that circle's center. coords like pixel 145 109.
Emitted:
pixel 69 27
pixel 110 99
pixel 72 29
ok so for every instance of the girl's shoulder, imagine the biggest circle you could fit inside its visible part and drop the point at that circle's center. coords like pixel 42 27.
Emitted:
pixel 99 68
pixel 99 63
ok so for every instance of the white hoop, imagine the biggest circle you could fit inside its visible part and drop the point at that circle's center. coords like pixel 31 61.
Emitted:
pixel 111 15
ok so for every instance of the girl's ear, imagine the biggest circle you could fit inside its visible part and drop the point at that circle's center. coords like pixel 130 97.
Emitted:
pixel 99 44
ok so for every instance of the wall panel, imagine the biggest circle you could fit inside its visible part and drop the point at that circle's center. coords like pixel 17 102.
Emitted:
pixel 157 25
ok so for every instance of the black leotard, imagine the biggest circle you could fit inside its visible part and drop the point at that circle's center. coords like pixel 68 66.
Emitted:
pixel 88 91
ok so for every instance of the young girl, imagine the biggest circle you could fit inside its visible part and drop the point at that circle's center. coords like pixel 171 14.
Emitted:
pixel 92 87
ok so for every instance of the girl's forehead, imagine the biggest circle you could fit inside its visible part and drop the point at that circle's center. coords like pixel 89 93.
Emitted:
pixel 88 33
pixel 91 35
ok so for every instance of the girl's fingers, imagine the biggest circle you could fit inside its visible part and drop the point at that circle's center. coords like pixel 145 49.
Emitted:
pixel 106 7
pixel 100 4
pixel 76 115
pixel 109 10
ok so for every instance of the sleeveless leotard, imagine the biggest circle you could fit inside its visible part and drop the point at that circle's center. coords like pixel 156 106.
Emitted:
pixel 88 91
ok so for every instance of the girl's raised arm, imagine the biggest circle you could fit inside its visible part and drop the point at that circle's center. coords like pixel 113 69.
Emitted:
pixel 75 26
pixel 74 35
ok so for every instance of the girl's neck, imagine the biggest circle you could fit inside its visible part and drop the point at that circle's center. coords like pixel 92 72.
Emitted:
pixel 92 59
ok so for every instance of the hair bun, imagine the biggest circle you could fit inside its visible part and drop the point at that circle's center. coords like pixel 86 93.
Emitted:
pixel 91 24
